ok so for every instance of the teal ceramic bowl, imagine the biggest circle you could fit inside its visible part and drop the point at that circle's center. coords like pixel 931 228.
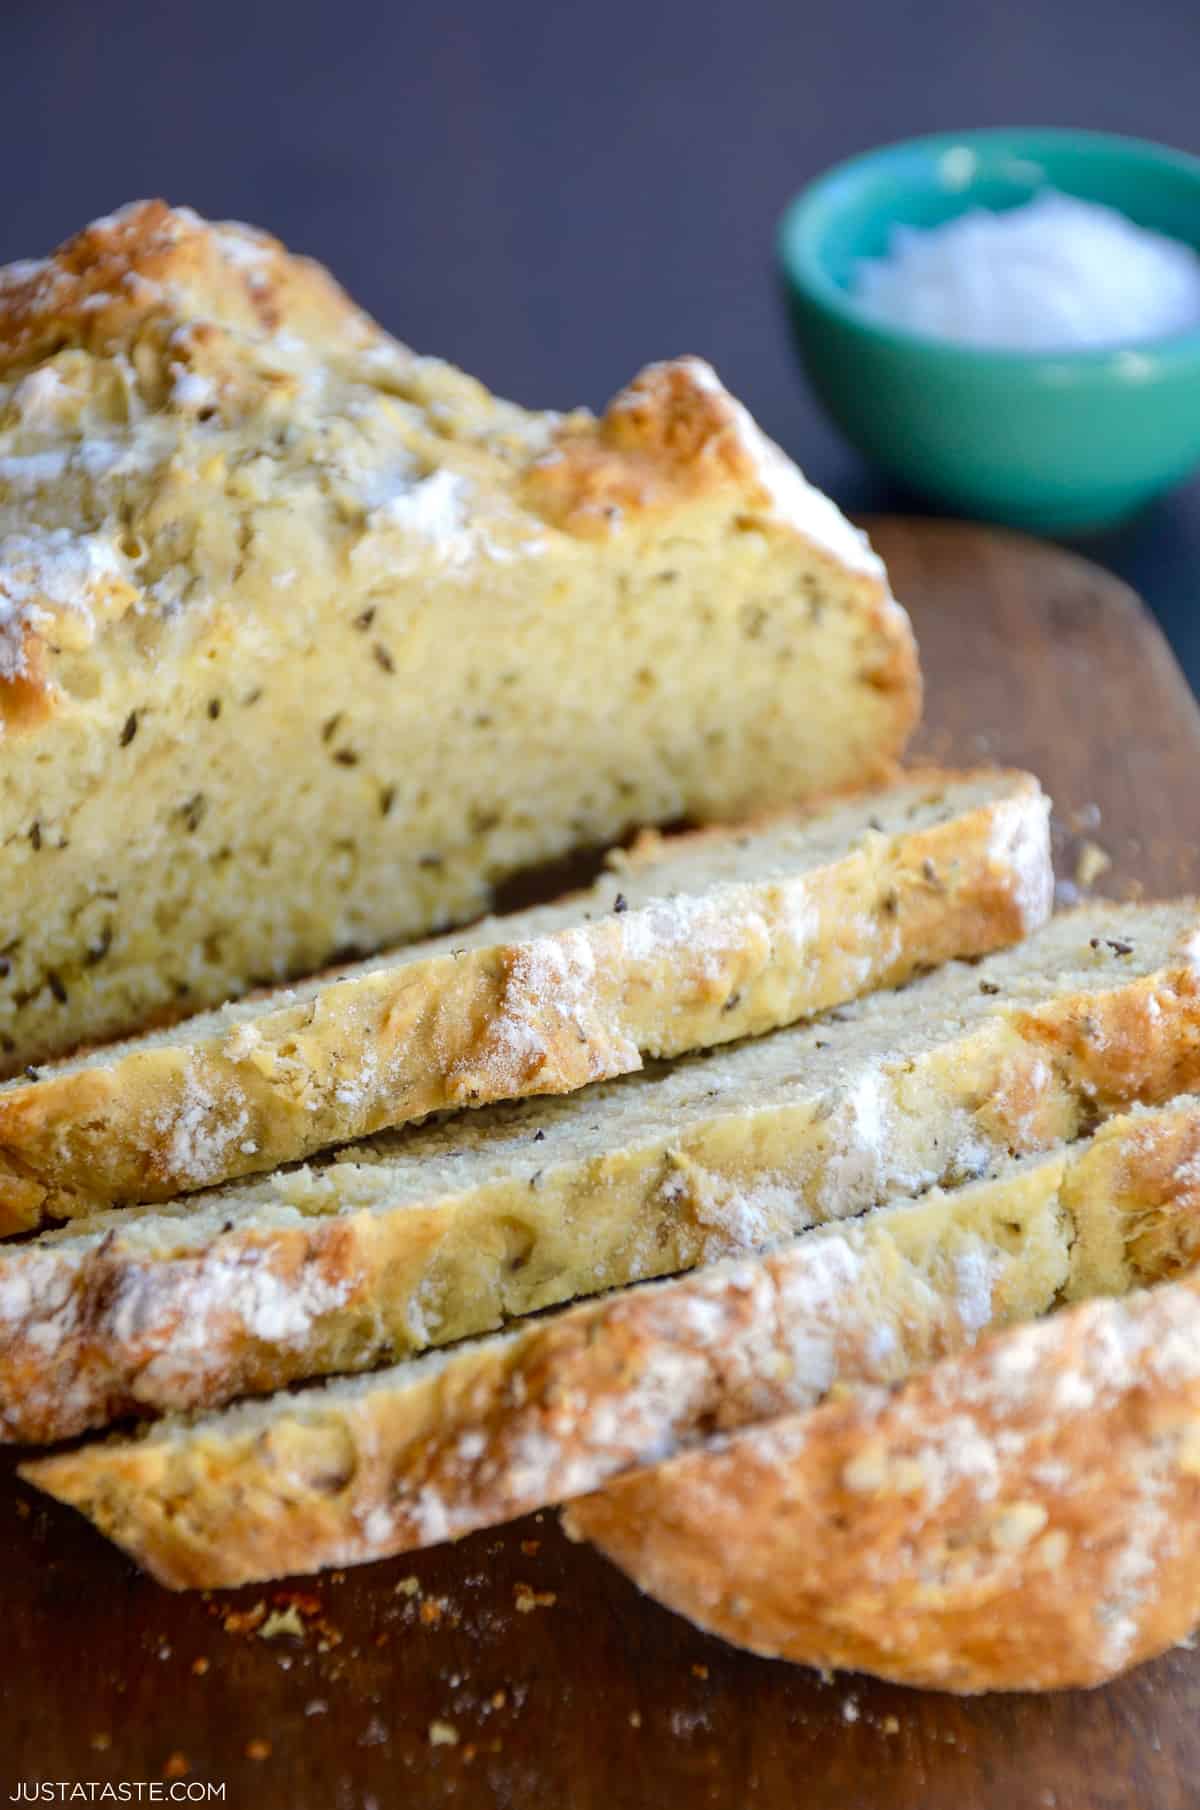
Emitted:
pixel 1061 442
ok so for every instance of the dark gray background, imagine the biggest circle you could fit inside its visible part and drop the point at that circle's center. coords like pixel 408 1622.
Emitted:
pixel 551 195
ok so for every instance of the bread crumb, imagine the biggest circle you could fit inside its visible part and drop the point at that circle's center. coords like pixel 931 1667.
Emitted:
pixel 408 1586
pixel 1090 863
pixel 526 1598
pixel 699 1671
pixel 244 1621
pixel 891 1725
pixel 443 1734
pixel 499 1699
pixel 258 1749
pixel 199 1666
pixel 280 1622
pixel 849 1709
pixel 531 1548
pixel 100 1743
pixel 177 1767
pixel 635 1718
pixel 431 1611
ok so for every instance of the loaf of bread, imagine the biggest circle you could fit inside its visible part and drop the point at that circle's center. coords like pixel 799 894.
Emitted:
pixel 421 1238
pixel 1024 1516
pixel 307 642
pixel 358 1469
pixel 683 942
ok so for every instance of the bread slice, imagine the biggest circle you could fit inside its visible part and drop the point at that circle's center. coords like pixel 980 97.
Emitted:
pixel 361 1468
pixel 433 1235
pixel 684 942
pixel 307 642
pixel 1023 1516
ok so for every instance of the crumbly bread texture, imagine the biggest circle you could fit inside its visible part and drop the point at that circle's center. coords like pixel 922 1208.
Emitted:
pixel 685 942
pixel 421 1238
pixel 361 1468
pixel 306 642
pixel 1025 1516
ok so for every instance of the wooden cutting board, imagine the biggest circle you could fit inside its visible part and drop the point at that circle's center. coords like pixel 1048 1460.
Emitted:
pixel 516 1670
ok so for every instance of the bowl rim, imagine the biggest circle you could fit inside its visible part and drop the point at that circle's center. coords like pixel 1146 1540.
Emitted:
pixel 805 272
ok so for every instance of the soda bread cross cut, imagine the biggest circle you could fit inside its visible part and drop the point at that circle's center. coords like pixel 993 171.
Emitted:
pixel 359 1468
pixel 421 1238
pixel 683 942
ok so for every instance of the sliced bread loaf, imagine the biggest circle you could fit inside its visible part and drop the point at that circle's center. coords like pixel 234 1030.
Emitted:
pixel 686 942
pixel 431 1235
pixel 306 642
pixel 355 1470
pixel 1024 1516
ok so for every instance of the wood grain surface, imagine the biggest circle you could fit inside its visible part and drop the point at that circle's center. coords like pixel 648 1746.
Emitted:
pixel 517 1670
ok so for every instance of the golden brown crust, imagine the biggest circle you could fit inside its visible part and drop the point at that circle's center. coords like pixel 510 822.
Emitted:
pixel 150 263
pixel 1023 1517
pixel 518 1017
pixel 1155 1185
pixel 668 436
